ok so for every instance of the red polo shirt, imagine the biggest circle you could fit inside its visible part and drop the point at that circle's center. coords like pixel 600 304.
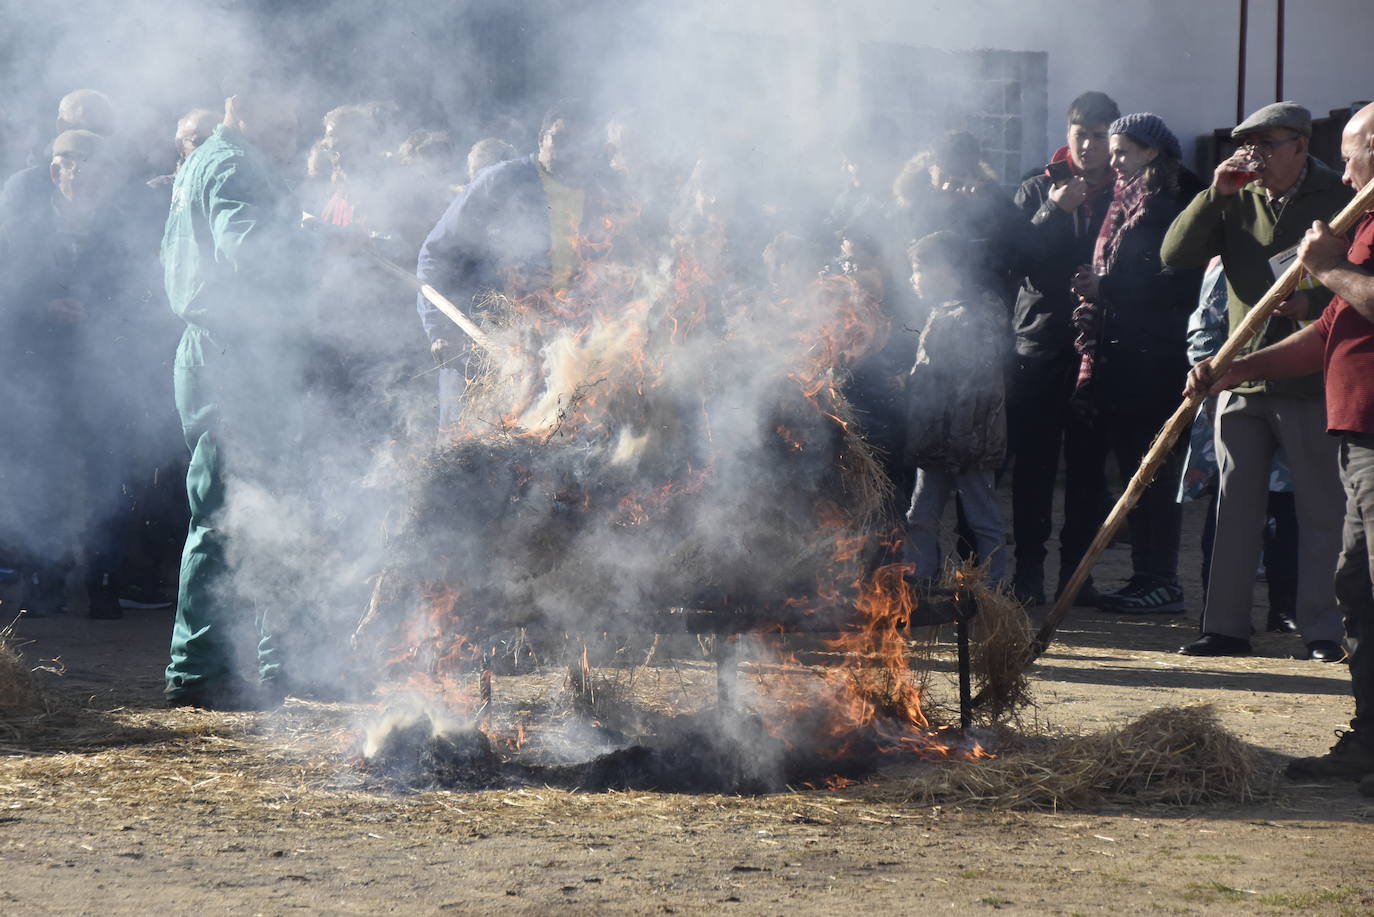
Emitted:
pixel 1349 362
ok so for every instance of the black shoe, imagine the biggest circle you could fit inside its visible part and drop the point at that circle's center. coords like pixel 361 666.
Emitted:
pixel 146 597
pixel 102 598
pixel 1351 758
pixel 1028 589
pixel 1216 645
pixel 1028 596
pixel 233 695
pixel 43 592
pixel 1087 597
pixel 1281 623
pixel 1325 651
pixel 1366 785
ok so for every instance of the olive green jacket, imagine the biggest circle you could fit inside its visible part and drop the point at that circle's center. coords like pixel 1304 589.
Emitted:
pixel 1245 231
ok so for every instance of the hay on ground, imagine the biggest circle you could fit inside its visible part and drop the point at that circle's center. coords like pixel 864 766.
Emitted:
pixel 1176 756
pixel 18 694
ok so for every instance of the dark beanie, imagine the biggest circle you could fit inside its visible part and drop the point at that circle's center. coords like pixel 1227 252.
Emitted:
pixel 1143 127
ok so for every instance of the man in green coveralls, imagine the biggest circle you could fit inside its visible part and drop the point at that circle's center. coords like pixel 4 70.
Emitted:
pixel 232 256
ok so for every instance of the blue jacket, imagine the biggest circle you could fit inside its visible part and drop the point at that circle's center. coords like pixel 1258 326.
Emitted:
pixel 498 226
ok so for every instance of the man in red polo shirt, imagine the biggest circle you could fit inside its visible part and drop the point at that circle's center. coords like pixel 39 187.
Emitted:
pixel 1341 344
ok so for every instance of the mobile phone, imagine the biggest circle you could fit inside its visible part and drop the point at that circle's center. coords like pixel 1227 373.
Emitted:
pixel 1059 172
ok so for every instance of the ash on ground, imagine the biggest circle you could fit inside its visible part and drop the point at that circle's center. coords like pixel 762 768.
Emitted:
pixel 711 751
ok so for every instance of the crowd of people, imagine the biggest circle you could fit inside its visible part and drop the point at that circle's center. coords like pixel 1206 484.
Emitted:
pixel 1059 320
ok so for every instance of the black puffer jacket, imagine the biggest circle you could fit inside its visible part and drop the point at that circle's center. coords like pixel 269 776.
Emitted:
pixel 1051 252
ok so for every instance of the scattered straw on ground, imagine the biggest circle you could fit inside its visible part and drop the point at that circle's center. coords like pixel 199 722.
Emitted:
pixel 1171 756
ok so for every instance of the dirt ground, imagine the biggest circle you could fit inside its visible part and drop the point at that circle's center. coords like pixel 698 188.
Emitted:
pixel 126 807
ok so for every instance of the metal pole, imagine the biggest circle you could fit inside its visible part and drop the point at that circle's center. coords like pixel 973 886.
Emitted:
pixel 965 678
pixel 1240 60
pixel 1278 54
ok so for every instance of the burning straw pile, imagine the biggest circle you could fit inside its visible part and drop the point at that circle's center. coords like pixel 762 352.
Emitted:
pixel 626 447
pixel 1173 756
pixel 653 441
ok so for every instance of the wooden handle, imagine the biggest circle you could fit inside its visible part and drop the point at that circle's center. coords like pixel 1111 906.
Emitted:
pixel 440 302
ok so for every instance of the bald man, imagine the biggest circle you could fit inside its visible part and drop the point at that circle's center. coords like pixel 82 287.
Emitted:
pixel 1341 344
pixel 79 110
pixel 86 110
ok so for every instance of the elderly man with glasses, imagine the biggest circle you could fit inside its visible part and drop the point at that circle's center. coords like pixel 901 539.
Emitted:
pixel 1261 202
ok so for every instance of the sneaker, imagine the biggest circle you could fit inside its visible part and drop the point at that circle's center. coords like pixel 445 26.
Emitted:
pixel 1144 596
pixel 1352 757
pixel 1134 588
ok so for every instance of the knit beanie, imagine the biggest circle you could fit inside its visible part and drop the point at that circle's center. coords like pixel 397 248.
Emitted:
pixel 1143 127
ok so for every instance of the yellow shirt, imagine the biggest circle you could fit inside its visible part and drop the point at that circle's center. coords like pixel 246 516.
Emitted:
pixel 565 225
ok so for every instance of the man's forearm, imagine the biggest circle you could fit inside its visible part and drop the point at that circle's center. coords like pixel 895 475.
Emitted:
pixel 1353 284
pixel 1296 355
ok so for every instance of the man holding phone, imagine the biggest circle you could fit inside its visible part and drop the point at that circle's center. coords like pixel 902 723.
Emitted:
pixel 1065 206
pixel 1260 203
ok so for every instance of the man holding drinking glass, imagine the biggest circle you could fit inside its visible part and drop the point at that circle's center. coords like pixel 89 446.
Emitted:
pixel 1261 202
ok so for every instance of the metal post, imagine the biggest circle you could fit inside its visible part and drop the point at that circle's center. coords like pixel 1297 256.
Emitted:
pixel 484 691
pixel 965 678
pixel 1240 60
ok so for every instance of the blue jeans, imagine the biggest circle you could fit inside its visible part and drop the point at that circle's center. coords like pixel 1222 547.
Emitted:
pixel 979 498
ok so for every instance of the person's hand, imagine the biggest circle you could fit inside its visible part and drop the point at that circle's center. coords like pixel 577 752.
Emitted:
pixel 1236 172
pixel 1203 382
pixel 1071 195
pixel 1295 306
pixel 1321 249
pixel 1085 283
pixel 66 311
pixel 440 351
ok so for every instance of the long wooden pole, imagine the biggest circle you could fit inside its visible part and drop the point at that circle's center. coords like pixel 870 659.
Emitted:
pixel 436 299
pixel 1182 418
pixel 439 301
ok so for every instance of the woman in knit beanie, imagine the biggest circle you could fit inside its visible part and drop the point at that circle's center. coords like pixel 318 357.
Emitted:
pixel 1132 322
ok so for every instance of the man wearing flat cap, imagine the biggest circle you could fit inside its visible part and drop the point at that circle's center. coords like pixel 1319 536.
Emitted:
pixel 1255 213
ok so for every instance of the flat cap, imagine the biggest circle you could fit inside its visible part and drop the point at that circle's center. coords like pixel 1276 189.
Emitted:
pixel 81 144
pixel 1288 115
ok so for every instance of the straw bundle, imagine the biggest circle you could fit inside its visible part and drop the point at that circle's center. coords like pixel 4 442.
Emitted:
pixel 18 694
pixel 1175 756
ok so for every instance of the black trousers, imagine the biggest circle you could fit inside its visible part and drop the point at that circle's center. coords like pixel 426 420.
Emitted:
pixel 1037 410
pixel 1155 523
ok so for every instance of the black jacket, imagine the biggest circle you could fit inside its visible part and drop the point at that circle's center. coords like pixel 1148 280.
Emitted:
pixel 1051 253
pixel 1143 354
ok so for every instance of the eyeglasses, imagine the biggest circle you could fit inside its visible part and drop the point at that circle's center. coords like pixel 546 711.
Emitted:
pixel 1266 147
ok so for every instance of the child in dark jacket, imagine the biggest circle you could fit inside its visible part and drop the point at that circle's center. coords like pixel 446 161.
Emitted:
pixel 956 404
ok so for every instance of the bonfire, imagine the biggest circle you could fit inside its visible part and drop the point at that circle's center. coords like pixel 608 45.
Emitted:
pixel 656 450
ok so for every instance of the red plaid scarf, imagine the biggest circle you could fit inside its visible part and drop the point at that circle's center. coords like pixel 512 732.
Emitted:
pixel 1125 211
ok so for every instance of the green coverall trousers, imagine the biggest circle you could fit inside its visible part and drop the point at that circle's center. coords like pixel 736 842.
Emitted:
pixel 211 610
